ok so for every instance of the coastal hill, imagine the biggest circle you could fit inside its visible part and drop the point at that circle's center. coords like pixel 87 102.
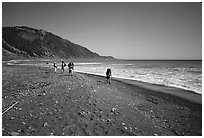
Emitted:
pixel 26 42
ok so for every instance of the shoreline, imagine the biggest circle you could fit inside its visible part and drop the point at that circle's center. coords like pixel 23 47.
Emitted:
pixel 85 105
pixel 181 93
pixel 139 82
pixel 148 85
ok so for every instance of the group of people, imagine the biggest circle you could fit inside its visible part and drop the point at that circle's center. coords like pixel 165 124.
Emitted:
pixel 71 67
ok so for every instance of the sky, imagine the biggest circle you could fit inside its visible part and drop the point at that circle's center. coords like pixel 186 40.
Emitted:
pixel 122 30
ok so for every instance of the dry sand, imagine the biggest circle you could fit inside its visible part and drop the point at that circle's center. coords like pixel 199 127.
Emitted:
pixel 57 104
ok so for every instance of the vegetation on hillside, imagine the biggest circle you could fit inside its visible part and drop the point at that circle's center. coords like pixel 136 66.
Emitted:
pixel 29 42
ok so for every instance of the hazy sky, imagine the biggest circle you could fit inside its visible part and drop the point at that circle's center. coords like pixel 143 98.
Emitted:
pixel 123 30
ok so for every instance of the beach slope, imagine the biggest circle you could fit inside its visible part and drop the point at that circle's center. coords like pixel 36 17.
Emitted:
pixel 48 103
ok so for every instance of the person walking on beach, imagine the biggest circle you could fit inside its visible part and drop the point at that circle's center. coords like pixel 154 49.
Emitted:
pixel 63 65
pixel 55 67
pixel 71 67
pixel 108 75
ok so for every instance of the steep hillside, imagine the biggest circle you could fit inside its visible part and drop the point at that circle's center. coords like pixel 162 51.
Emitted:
pixel 21 41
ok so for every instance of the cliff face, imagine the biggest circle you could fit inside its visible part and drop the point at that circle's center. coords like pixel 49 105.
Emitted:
pixel 27 42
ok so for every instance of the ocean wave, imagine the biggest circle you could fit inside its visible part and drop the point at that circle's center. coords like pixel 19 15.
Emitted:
pixel 161 81
pixel 93 63
pixel 172 79
pixel 122 64
pixel 180 77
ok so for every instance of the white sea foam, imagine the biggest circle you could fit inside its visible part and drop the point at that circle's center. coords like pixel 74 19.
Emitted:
pixel 122 64
pixel 90 63
pixel 174 77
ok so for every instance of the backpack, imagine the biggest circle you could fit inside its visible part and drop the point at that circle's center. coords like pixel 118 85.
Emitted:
pixel 71 65
pixel 108 72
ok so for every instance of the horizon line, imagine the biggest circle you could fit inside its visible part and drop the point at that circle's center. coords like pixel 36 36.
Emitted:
pixel 160 59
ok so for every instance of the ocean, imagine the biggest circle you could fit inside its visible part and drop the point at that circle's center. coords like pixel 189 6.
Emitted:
pixel 184 74
pixel 175 73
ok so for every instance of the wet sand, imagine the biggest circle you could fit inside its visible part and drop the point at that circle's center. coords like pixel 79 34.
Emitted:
pixel 181 93
pixel 51 103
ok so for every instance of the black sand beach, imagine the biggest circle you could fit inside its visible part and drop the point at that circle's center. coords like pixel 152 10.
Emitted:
pixel 49 103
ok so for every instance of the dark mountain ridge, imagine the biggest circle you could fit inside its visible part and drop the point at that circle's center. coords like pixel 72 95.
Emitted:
pixel 26 42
